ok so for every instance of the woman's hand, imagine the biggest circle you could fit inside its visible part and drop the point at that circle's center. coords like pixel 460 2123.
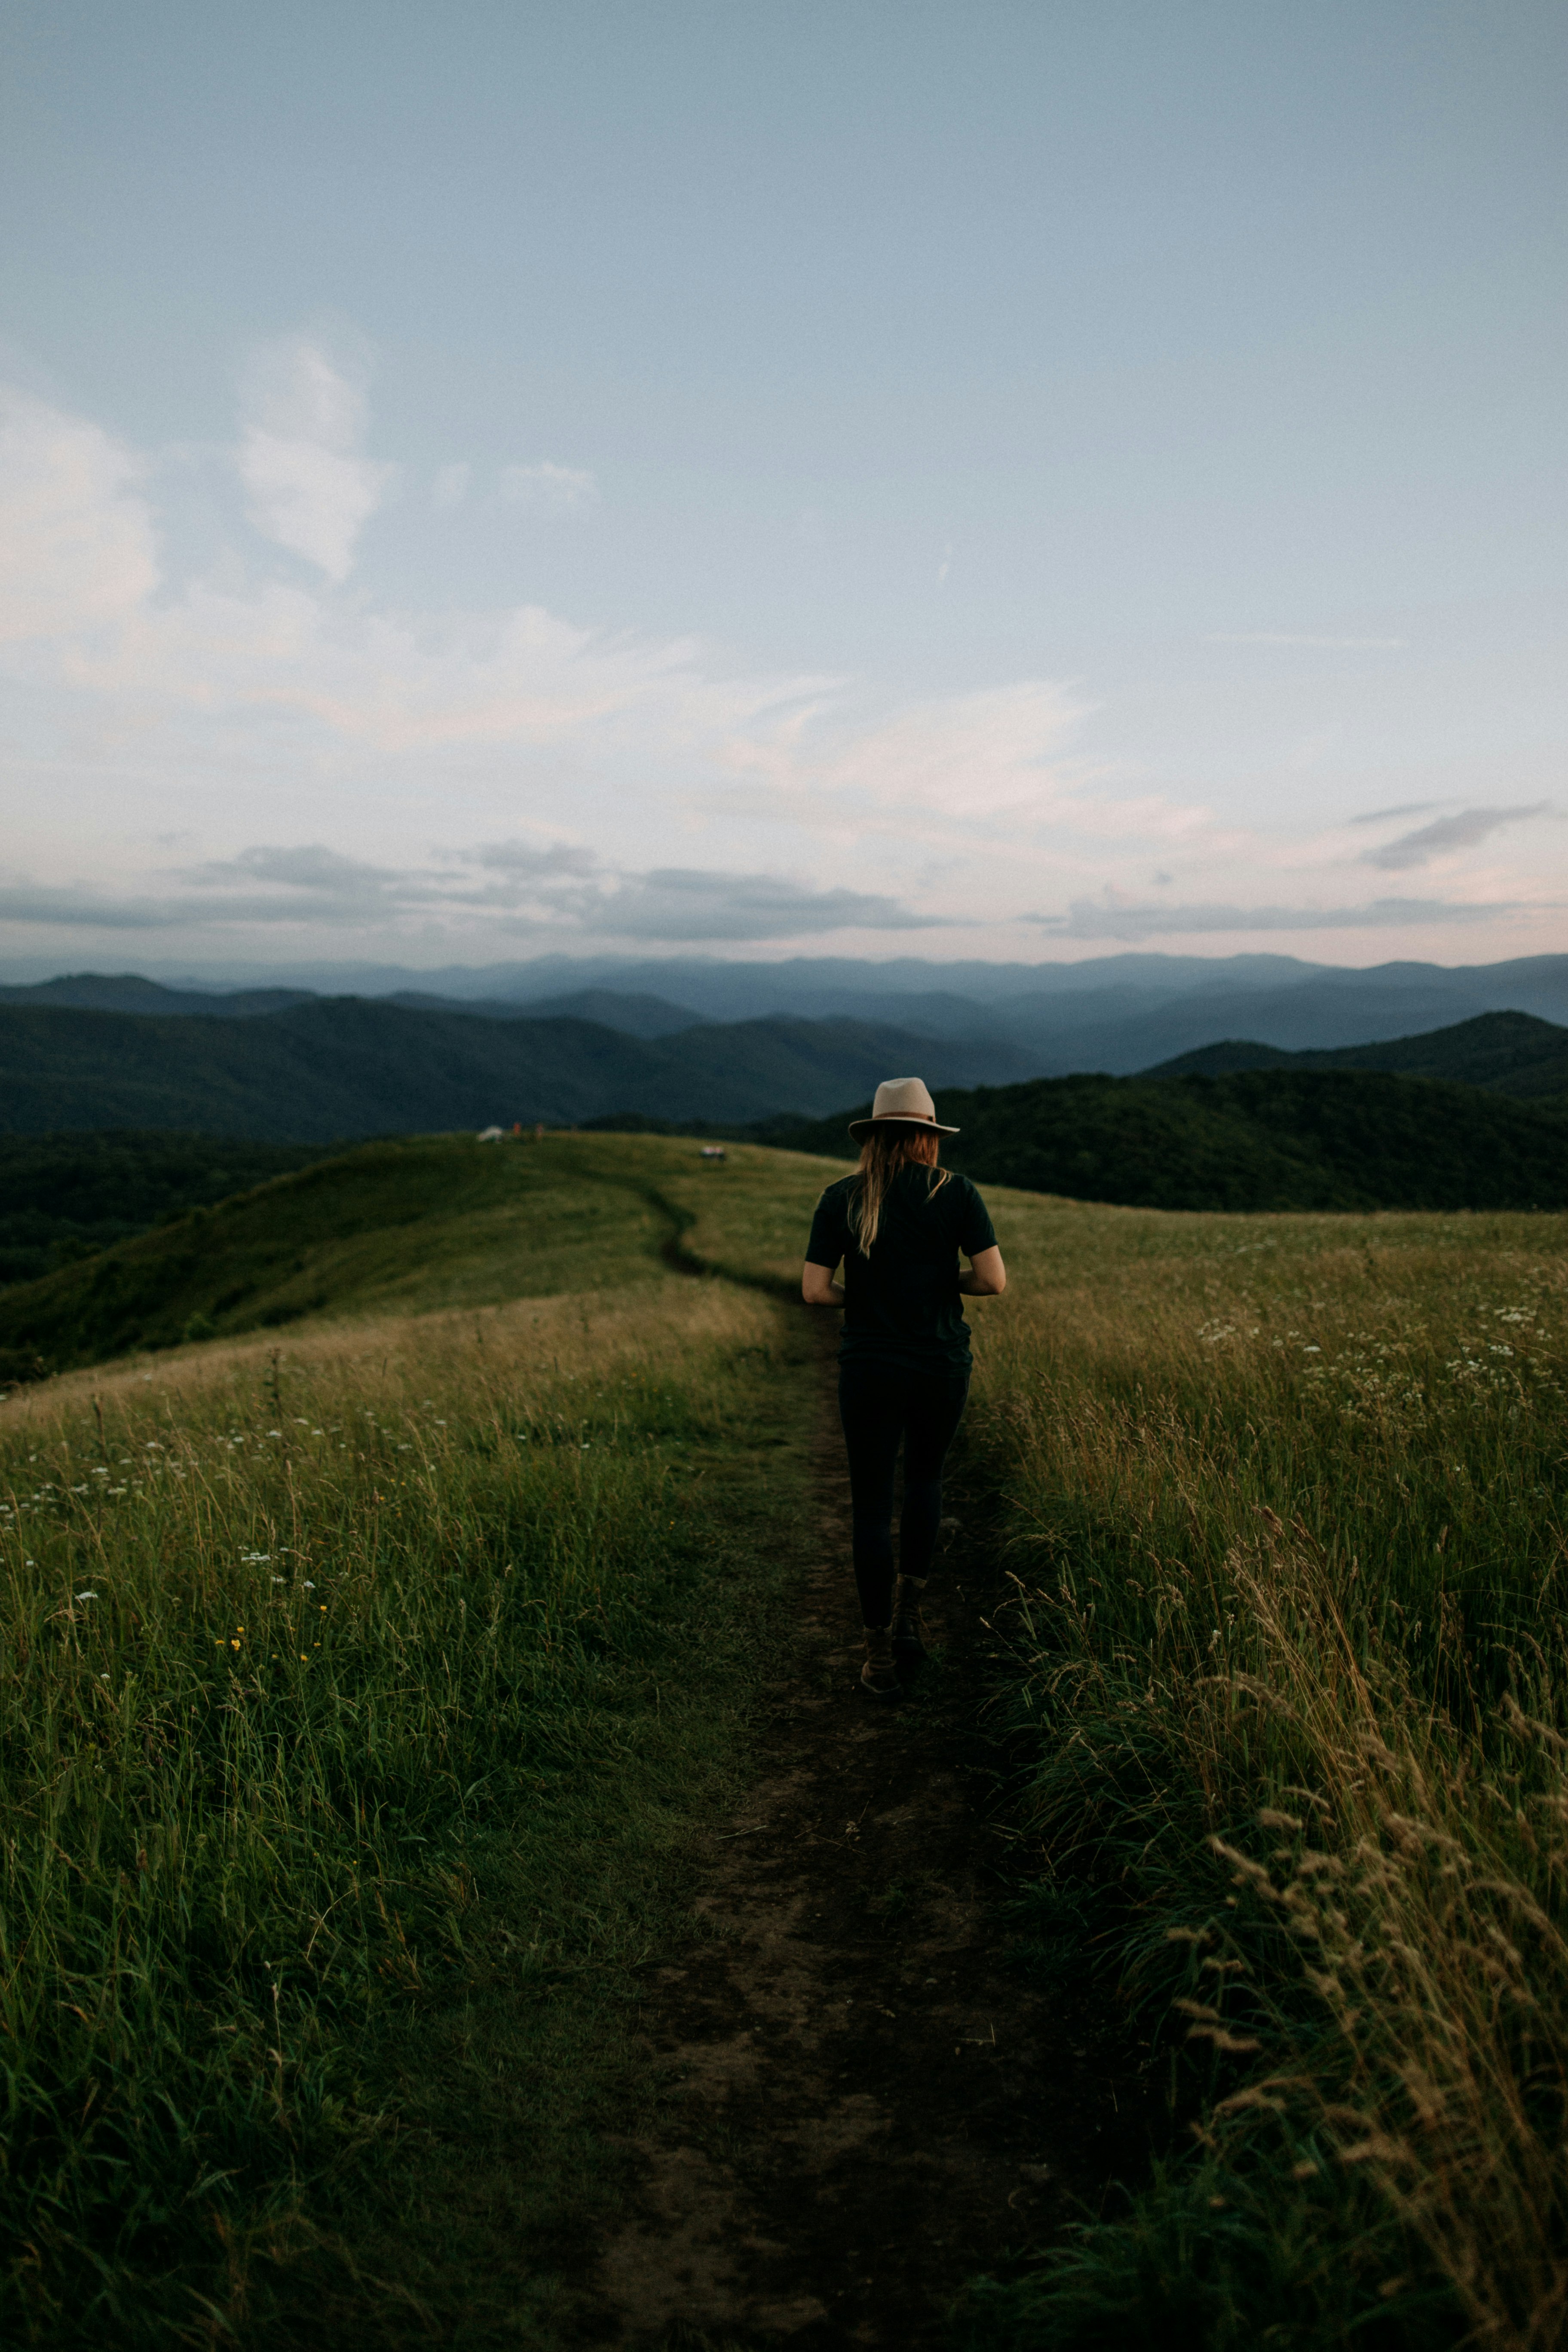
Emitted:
pixel 988 1276
pixel 817 1286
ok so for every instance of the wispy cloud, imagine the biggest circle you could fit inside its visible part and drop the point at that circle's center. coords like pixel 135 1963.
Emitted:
pixel 1467 829
pixel 559 889
pixel 1312 643
pixel 78 550
pixel 310 489
pixel 1390 815
pixel 1093 918
pixel 683 903
pixel 553 490
pixel 75 906
pixel 592 785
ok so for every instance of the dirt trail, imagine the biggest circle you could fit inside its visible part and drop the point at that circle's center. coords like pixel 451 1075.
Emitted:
pixel 865 2105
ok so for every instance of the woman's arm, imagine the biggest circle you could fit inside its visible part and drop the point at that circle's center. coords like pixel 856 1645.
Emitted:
pixel 988 1276
pixel 817 1286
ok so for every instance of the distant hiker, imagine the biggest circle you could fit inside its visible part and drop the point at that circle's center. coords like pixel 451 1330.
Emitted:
pixel 898 1225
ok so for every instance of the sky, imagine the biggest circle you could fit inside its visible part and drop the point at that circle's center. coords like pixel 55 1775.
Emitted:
pixel 1008 480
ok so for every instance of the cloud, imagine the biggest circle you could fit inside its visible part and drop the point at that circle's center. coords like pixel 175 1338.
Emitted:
pixel 590 785
pixel 1316 645
pixel 683 903
pixel 1094 918
pixel 964 756
pixel 72 907
pixel 1388 815
pixel 558 887
pixel 310 489
pixel 77 552
pixel 450 488
pixel 551 489
pixel 1464 830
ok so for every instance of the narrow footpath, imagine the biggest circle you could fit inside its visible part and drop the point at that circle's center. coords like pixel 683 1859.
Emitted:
pixel 865 2104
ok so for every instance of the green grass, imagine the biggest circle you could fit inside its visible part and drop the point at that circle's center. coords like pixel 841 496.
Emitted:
pixel 1286 1498
pixel 319 1962
pixel 360 1697
pixel 430 1222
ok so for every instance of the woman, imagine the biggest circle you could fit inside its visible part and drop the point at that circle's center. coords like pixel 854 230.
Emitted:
pixel 899 1224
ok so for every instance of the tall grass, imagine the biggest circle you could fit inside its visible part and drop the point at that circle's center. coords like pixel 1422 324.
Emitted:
pixel 1285 1504
pixel 318 1663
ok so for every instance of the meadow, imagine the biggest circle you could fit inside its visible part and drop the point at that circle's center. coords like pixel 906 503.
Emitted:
pixel 1284 1704
pixel 360 1697
pixel 366 1682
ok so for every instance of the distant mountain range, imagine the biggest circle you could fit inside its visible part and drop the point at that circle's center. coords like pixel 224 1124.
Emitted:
pixel 308 1069
pixel 320 1068
pixel 1118 1014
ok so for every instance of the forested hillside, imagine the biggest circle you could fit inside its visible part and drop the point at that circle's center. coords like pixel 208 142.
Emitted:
pixel 338 1067
pixel 1255 1139
pixel 1506 1053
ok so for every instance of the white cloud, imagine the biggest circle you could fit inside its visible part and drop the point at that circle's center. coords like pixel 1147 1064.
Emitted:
pixel 967 757
pixel 309 488
pixel 77 552
pixel 549 488
pixel 589 787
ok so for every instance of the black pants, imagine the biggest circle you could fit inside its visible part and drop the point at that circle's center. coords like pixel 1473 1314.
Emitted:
pixel 879 1404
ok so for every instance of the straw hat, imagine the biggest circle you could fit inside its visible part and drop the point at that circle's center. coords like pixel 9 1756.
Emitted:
pixel 900 1102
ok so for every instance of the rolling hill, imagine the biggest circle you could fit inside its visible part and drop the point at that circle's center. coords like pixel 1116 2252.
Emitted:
pixel 1505 1053
pixel 432 1221
pixel 1117 1013
pixel 325 1067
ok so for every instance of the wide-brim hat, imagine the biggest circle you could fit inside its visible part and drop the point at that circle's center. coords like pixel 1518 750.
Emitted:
pixel 900 1102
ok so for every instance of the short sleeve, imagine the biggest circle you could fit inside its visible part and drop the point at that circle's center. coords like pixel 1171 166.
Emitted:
pixel 976 1230
pixel 829 1231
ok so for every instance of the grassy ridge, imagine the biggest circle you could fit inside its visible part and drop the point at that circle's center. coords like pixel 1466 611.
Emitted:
pixel 357 1699
pixel 1288 1501
pixel 423 1222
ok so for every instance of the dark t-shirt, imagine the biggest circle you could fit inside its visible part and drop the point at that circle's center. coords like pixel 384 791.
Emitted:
pixel 902 1303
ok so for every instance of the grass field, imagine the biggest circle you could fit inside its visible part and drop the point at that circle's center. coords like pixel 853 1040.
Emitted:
pixel 1285 1500
pixel 365 1681
pixel 359 1694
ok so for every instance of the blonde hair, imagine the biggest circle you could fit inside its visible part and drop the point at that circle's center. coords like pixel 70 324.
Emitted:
pixel 885 1151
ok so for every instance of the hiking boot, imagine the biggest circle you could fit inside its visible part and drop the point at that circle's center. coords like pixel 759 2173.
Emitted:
pixel 878 1675
pixel 908 1633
